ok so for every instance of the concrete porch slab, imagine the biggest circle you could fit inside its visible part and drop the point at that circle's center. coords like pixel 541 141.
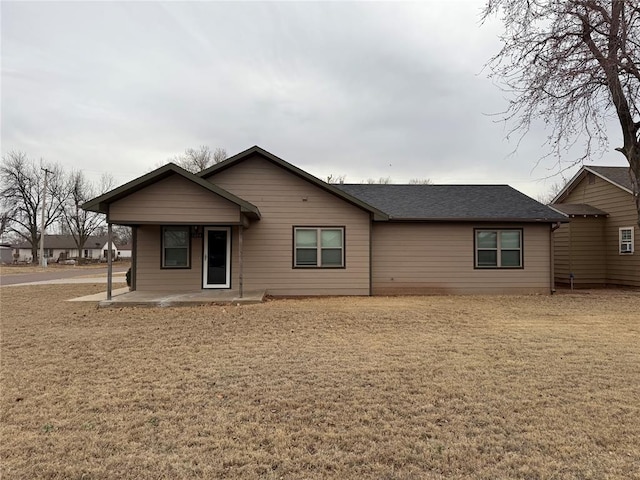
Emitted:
pixel 168 299
pixel 98 297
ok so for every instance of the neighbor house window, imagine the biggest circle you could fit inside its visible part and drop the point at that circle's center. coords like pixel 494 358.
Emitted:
pixel 319 247
pixel 498 248
pixel 626 240
pixel 175 247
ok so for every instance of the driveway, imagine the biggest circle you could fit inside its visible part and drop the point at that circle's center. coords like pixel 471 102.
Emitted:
pixel 57 274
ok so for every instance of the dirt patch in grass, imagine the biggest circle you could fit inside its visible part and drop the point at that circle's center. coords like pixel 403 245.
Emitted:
pixel 398 388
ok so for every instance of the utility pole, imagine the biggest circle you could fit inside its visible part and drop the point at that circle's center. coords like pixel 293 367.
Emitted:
pixel 43 262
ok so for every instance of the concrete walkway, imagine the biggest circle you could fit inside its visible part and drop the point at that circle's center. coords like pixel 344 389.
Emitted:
pixel 123 298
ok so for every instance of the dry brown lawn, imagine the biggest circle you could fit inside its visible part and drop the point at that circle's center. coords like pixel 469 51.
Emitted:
pixel 14 269
pixel 526 387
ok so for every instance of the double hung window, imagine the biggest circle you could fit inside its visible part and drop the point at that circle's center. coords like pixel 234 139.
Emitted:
pixel 175 247
pixel 321 247
pixel 626 240
pixel 498 248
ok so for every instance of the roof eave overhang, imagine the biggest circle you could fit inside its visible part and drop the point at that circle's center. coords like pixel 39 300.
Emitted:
pixel 559 212
pixel 577 214
pixel 479 220
pixel 251 214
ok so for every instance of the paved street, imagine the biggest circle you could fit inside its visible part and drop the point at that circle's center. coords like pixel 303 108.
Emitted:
pixel 59 274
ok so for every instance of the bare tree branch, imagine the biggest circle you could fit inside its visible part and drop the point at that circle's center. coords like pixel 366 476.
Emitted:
pixel 574 64
pixel 196 160
pixel 21 187
pixel 82 223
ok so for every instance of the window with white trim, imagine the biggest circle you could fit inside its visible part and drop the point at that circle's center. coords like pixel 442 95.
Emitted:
pixel 175 247
pixel 626 240
pixel 498 248
pixel 321 247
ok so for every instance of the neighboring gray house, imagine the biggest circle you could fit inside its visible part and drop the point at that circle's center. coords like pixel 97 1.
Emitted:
pixel 6 253
pixel 64 247
pixel 255 221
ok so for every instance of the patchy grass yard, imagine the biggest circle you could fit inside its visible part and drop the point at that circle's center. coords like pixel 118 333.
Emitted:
pixel 396 388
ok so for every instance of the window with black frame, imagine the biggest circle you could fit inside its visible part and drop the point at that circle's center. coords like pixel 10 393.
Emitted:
pixel 318 247
pixel 498 248
pixel 175 247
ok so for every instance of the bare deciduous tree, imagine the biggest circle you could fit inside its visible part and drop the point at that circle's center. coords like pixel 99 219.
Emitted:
pixel 22 183
pixel 336 179
pixel 196 160
pixel 6 214
pixel 81 223
pixel 122 234
pixel 553 191
pixel 574 64
pixel 380 181
pixel 420 181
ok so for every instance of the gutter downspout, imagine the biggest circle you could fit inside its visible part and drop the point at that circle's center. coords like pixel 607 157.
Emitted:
pixel 371 255
pixel 240 275
pixel 554 227
pixel 134 256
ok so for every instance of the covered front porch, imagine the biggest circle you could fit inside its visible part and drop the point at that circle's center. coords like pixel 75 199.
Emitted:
pixel 187 237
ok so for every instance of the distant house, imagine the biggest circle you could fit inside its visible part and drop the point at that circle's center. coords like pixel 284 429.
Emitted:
pixel 6 253
pixel 124 251
pixel 62 247
pixel 601 243
pixel 255 221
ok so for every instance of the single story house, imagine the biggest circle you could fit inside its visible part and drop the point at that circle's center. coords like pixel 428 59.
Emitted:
pixel 600 245
pixel 63 247
pixel 255 221
pixel 124 251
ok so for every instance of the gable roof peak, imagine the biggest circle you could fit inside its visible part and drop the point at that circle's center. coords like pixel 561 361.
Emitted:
pixel 619 176
pixel 240 157
pixel 100 204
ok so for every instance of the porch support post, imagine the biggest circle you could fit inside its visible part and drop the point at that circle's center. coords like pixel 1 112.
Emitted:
pixel 109 261
pixel 134 256
pixel 240 274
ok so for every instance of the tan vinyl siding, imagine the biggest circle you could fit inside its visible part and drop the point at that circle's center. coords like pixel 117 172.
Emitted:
pixel 285 201
pixel 584 259
pixel 149 274
pixel 174 200
pixel 620 269
pixel 439 258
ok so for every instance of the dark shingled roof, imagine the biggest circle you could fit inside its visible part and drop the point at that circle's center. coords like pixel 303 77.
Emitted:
pixel 452 202
pixel 619 175
pixel 578 209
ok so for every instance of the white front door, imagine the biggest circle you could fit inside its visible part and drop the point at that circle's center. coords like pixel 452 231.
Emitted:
pixel 216 267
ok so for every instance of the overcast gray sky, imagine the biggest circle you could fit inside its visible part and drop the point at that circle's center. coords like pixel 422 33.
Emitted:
pixel 357 89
